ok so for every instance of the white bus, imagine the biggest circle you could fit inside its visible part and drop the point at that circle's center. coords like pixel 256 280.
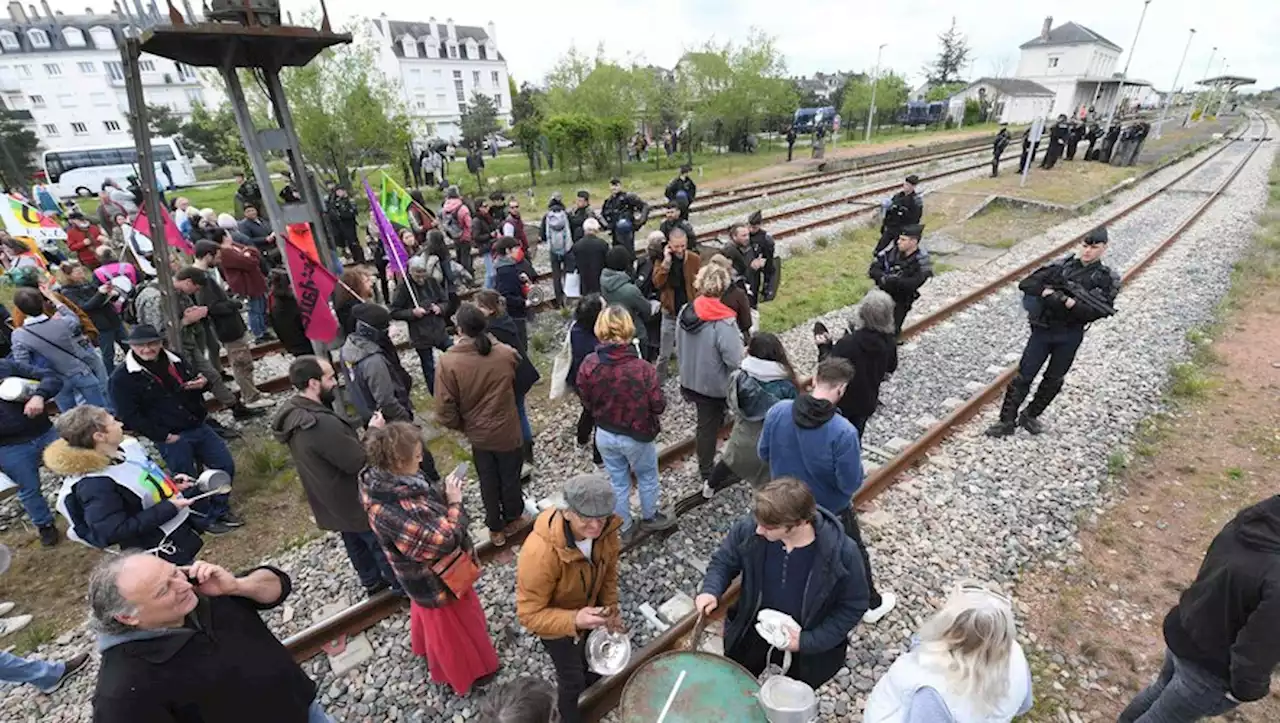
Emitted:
pixel 81 171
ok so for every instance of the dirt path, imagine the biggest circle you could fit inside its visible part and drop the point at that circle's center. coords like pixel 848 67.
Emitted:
pixel 1216 452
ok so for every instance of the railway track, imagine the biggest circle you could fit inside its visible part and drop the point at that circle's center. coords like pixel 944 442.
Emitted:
pixel 602 698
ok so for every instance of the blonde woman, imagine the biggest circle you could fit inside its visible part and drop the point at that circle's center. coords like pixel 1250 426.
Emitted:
pixel 966 668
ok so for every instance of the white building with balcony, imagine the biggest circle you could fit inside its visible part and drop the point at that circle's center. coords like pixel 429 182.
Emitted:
pixel 66 71
pixel 438 66
pixel 1079 67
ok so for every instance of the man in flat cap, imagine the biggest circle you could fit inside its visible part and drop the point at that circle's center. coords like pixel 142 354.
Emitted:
pixel 904 209
pixel 901 269
pixel 567 581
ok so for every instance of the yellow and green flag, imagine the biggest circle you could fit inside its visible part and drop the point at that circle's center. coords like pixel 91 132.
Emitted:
pixel 395 201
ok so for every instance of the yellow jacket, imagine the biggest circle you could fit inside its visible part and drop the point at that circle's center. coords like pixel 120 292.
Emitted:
pixel 554 580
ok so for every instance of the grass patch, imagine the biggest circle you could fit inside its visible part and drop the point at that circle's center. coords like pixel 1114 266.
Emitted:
pixel 37 633
pixel 1117 462
pixel 1189 381
pixel 1002 226
pixel 220 198
pixel 1235 473
pixel 819 281
pixel 1068 184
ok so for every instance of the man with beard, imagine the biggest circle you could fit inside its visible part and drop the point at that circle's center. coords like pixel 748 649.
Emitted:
pixel 675 215
pixel 328 455
pixel 624 214
pixel 904 209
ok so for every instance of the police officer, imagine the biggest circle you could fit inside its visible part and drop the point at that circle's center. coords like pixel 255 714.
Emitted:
pixel 997 148
pixel 1061 298
pixel 624 213
pixel 1075 133
pixel 905 209
pixel 1057 143
pixel 900 270
pixel 682 185
pixel 764 248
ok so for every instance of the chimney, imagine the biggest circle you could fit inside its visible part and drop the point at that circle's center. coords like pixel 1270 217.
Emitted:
pixel 432 30
pixel 493 32
pixel 44 4
pixel 31 11
pixel 88 11
pixel 453 30
pixel 16 13
pixel 1044 29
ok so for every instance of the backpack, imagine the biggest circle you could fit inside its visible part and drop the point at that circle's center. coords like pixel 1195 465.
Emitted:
pixel 559 236
pixel 451 224
pixel 129 305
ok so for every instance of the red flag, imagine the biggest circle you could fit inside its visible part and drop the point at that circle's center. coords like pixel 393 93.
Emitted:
pixel 171 233
pixel 300 234
pixel 312 285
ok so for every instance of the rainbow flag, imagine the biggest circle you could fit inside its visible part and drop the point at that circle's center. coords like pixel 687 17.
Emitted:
pixel 27 224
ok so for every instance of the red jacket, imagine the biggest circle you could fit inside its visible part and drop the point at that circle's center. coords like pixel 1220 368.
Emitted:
pixel 622 391
pixel 242 269
pixel 83 242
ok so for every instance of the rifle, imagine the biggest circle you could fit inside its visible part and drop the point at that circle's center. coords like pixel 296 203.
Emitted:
pixel 1086 297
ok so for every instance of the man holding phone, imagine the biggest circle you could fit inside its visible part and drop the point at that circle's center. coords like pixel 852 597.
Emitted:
pixel 567 582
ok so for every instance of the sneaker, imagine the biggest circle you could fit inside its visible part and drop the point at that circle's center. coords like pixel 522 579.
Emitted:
pixel 240 411
pixel 230 519
pixel 707 491
pixel 6 608
pixel 658 522
pixel 888 601
pixel 377 587
pixel 259 403
pixel 49 536
pixel 1000 429
pixel 631 535
pixel 217 527
pixel 497 539
pixel 9 626
pixel 1031 424
pixel 820 329
pixel 70 668
pixel 526 471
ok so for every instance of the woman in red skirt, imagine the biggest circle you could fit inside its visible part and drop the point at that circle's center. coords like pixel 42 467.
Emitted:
pixel 424 533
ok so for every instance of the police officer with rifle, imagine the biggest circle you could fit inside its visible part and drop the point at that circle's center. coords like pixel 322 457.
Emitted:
pixel 904 209
pixel 1061 299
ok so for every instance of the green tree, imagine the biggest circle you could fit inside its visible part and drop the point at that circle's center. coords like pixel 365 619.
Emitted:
pixel 944 91
pixel 891 93
pixel 617 131
pixel 18 146
pixel 163 121
pixel 527 117
pixel 952 56
pixel 729 90
pixel 479 119
pixel 215 136
pixel 573 135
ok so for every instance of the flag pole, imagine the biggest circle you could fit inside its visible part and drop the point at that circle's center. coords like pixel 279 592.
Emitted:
pixel 389 241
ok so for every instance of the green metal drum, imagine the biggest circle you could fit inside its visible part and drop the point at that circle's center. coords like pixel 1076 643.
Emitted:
pixel 714 689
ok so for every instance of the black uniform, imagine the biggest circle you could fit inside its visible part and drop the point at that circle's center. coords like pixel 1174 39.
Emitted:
pixel 579 216
pixel 342 216
pixel 249 194
pixel 905 209
pixel 1056 332
pixel 623 206
pixel 1075 132
pixel 1092 135
pixel 997 150
pixel 1028 150
pixel 1109 143
pixel 678 184
pixel 901 276
pixel 1057 144
pixel 791 142
pixel 765 280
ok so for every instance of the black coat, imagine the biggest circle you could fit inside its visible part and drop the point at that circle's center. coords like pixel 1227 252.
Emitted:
pixel 579 216
pixel 506 281
pixel 1051 311
pixel 156 407
pixel 589 254
pixel 901 276
pixel 503 329
pixel 874 356
pixel 224 312
pixel 114 516
pixel 678 184
pixel 1228 621
pixel 94 303
pixel 286 321
pixel 15 426
pixel 429 331
pixel 666 226
pixel 904 209
pixel 229 669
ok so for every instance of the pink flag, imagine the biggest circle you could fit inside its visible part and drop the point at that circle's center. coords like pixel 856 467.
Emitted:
pixel 171 233
pixel 312 285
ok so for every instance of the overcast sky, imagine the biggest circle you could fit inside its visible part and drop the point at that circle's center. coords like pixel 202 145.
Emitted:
pixel 828 35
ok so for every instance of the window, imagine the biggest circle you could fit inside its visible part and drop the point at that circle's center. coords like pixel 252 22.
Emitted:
pixel 111 126
pixel 420 102
pixel 453 51
pixel 443 52
pixel 87 68
pixel 66 100
pixel 99 99
pixel 147 66
pixel 37 101
pixel 195 96
pixel 23 71
pixel 415 77
pixel 79 128
pixel 52 70
pixel 8 40
pixel 440 100
pixel 185 72
pixel 73 37
pixel 483 54
pixel 462 94
pixel 463 51
pixel 38 38
pixel 475 78
pixel 409 47
pixel 103 39
pixel 50 129
pixel 1053 61
pixel 115 70
pixel 494 77
pixel 497 101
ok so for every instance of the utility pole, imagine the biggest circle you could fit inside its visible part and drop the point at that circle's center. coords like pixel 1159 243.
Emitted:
pixel 1115 105
pixel 875 80
pixel 1174 88
pixel 1196 101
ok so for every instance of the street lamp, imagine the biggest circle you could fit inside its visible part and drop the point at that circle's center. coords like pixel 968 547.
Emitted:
pixel 1125 75
pixel 1174 88
pixel 1196 101
pixel 875 80
pixel 1226 87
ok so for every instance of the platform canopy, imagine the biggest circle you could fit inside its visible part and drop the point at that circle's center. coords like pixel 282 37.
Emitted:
pixel 1230 82
pixel 220 44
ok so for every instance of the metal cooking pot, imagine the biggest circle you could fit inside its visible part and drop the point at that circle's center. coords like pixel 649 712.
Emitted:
pixel 213 479
pixel 787 700
pixel 607 653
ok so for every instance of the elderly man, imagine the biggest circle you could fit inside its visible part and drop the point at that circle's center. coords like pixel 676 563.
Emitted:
pixel 186 643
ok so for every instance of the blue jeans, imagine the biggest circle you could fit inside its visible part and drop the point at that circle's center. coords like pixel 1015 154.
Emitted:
pixel 1182 693
pixel 525 429
pixel 258 316
pixel 622 455
pixel 488 270
pixel 204 447
pixel 22 463
pixel 368 559
pixel 82 389
pixel 107 343
pixel 40 673
pixel 316 714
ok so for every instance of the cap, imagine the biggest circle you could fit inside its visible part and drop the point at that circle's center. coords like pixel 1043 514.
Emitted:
pixel 1096 236
pixel 615 181
pixel 756 218
pixel 590 495
pixel 143 334
pixel 584 195
pixel 913 179
pixel 686 168
pixel 914 230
